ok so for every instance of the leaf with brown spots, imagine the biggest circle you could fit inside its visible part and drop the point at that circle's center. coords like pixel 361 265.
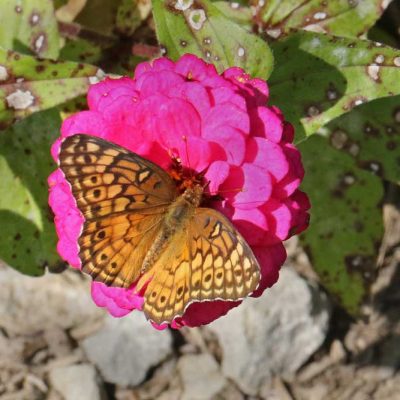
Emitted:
pixel 99 15
pixel 128 17
pixel 371 135
pixel 350 18
pixel 29 25
pixel 27 234
pixel 28 84
pixel 346 225
pixel 321 77
pixel 201 28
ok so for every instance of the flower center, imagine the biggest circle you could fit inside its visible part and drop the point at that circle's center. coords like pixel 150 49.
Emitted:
pixel 185 178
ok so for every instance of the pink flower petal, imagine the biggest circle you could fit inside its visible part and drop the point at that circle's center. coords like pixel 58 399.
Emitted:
pixel 162 64
pixel 255 90
pixel 216 174
pixel 224 95
pixel 262 91
pixel 142 69
pixel 155 83
pixel 231 140
pixel 68 218
pixel 192 68
pixel 298 204
pixel 90 122
pixel 295 174
pixel 176 119
pixel 248 186
pixel 270 259
pixel 226 114
pixel 160 327
pixel 117 301
pixel 288 132
pixel 101 95
pixel 252 224
pixel 234 73
pixel 153 151
pixel 268 155
pixel 194 153
pixel 279 218
pixel 145 120
pixel 196 94
pixel 268 124
pixel 201 313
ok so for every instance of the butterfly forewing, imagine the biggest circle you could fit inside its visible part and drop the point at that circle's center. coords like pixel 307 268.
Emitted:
pixel 106 178
pixel 123 199
pixel 208 260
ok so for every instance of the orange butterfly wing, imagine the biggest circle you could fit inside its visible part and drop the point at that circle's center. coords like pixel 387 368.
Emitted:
pixel 123 198
pixel 206 260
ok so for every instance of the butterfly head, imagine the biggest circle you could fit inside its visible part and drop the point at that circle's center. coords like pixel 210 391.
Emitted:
pixel 194 185
pixel 185 178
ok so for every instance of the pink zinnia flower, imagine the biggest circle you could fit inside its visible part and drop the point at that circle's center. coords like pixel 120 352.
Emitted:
pixel 231 133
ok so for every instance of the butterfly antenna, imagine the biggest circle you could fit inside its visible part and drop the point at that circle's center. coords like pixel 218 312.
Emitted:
pixel 184 138
pixel 232 190
pixel 242 203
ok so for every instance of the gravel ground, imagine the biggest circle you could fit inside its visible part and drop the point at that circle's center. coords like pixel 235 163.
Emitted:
pixel 292 344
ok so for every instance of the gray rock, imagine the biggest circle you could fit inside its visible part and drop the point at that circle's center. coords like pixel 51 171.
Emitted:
pixel 76 382
pixel 201 377
pixel 164 379
pixel 124 349
pixel 274 334
pixel 11 350
pixel 29 305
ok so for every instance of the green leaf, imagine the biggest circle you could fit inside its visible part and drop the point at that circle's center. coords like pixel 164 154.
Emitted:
pixel 59 3
pixel 319 77
pixel 27 235
pixel 28 84
pixel 346 221
pixel 99 15
pixel 29 24
pixel 116 59
pixel 201 28
pixel 371 135
pixel 81 50
pixel 128 17
pixel 236 12
pixel 350 18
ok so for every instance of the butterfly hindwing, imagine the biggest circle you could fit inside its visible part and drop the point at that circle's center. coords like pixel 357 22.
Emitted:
pixel 208 260
pixel 115 258
pixel 227 269
pixel 123 199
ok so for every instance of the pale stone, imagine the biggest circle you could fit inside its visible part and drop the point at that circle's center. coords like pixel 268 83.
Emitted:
pixel 273 334
pixel 124 349
pixel 201 377
pixel 76 382
pixel 29 305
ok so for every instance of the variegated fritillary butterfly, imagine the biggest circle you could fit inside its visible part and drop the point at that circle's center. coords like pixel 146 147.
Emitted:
pixel 138 224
